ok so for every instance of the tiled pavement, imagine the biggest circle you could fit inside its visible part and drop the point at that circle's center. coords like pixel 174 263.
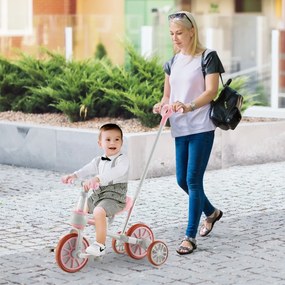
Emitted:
pixel 246 247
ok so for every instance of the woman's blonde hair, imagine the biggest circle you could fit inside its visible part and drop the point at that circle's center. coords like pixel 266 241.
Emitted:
pixel 188 22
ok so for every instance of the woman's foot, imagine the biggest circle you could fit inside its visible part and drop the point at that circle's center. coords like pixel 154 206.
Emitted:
pixel 187 246
pixel 209 222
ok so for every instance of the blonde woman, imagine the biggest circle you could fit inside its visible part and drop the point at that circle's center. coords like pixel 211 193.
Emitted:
pixel 187 88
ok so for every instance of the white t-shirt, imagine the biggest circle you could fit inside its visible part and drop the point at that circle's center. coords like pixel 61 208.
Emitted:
pixel 186 84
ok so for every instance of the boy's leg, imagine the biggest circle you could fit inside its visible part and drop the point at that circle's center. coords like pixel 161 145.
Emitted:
pixel 98 248
pixel 105 208
pixel 100 224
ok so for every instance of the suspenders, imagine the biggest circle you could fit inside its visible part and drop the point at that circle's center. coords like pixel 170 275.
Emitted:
pixel 112 165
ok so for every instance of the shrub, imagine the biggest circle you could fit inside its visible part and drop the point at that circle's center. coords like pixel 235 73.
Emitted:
pixel 90 88
pixel 12 84
pixel 100 51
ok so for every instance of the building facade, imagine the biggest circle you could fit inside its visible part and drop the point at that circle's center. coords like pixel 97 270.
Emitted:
pixel 240 30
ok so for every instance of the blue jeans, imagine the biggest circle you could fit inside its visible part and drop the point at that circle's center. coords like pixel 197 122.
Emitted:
pixel 192 156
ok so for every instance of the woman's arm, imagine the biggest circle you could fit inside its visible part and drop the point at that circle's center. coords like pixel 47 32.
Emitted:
pixel 212 87
pixel 166 94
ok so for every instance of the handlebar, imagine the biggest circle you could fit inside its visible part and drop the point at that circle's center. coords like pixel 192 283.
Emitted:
pixel 92 185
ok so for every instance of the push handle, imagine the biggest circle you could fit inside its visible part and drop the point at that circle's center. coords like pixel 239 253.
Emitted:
pixel 166 112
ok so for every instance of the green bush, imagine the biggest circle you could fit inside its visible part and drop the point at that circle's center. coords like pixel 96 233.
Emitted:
pixel 100 51
pixel 12 84
pixel 89 88
pixel 138 86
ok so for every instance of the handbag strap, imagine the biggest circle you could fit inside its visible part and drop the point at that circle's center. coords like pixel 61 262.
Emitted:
pixel 203 67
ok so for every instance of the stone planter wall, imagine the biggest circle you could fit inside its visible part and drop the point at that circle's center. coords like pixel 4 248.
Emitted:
pixel 67 149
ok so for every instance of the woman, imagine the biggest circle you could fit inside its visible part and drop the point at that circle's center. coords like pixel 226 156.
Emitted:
pixel 187 88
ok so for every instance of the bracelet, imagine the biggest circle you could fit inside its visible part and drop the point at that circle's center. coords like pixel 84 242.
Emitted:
pixel 192 106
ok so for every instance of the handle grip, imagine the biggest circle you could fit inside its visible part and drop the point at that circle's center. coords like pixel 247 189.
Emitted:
pixel 166 112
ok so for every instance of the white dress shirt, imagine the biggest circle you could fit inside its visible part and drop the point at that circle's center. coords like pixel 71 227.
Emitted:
pixel 108 172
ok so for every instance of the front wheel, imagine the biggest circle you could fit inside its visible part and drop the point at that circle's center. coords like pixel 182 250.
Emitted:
pixel 66 254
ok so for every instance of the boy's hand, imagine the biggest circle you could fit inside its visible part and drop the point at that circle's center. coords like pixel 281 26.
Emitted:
pixel 92 183
pixel 68 179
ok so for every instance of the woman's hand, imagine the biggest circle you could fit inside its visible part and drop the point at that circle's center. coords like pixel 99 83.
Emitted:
pixel 180 107
pixel 157 108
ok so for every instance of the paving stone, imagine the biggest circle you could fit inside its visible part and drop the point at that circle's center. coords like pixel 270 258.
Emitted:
pixel 246 246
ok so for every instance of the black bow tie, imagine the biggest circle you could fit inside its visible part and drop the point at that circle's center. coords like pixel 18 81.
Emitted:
pixel 105 158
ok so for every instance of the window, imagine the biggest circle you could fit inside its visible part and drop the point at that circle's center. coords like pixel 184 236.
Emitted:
pixel 16 17
pixel 248 6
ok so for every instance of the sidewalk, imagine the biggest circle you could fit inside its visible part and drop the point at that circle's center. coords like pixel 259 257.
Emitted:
pixel 246 247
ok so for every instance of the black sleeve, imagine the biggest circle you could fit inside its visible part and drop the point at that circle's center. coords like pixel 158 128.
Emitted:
pixel 213 64
pixel 167 66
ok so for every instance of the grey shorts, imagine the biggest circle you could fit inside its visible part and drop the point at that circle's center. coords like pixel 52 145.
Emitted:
pixel 110 206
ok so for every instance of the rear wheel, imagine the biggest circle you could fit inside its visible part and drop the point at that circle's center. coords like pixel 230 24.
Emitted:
pixel 138 231
pixel 118 246
pixel 157 253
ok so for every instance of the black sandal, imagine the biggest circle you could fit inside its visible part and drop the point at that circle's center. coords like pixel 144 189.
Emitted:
pixel 182 250
pixel 204 231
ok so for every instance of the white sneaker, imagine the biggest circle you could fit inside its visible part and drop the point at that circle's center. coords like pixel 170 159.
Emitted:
pixel 96 249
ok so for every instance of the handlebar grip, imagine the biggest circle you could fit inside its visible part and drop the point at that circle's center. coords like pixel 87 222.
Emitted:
pixel 166 112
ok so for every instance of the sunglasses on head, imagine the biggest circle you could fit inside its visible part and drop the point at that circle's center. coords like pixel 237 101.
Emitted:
pixel 179 16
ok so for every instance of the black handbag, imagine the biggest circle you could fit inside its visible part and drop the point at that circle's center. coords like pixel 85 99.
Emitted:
pixel 225 111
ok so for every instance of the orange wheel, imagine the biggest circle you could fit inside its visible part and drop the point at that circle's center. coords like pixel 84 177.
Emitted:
pixel 66 256
pixel 157 253
pixel 118 246
pixel 138 231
